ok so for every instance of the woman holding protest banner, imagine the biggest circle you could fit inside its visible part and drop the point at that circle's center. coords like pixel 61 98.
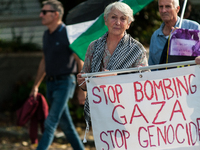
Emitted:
pixel 115 49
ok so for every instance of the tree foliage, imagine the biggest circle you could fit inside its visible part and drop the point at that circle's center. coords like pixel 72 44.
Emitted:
pixel 146 22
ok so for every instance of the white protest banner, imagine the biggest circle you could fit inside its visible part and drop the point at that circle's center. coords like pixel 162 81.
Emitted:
pixel 151 110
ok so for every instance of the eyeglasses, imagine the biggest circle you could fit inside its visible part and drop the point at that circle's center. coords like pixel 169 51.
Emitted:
pixel 45 11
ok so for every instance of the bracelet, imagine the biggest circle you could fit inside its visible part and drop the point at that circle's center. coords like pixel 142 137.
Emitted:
pixel 82 89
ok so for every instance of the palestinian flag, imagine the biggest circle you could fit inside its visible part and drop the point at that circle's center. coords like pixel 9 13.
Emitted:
pixel 85 22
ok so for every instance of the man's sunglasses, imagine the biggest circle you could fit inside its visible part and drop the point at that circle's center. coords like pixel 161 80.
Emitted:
pixel 45 11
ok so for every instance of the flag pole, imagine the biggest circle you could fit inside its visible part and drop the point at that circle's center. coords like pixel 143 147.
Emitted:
pixel 182 13
pixel 138 69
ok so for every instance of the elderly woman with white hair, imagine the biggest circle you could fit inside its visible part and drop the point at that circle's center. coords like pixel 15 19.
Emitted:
pixel 115 49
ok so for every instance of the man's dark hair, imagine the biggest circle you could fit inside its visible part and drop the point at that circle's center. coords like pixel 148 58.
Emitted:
pixel 56 5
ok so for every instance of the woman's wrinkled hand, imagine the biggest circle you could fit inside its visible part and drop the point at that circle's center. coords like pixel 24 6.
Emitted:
pixel 114 74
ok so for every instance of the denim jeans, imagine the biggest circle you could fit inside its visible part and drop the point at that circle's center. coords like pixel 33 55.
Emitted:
pixel 58 94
